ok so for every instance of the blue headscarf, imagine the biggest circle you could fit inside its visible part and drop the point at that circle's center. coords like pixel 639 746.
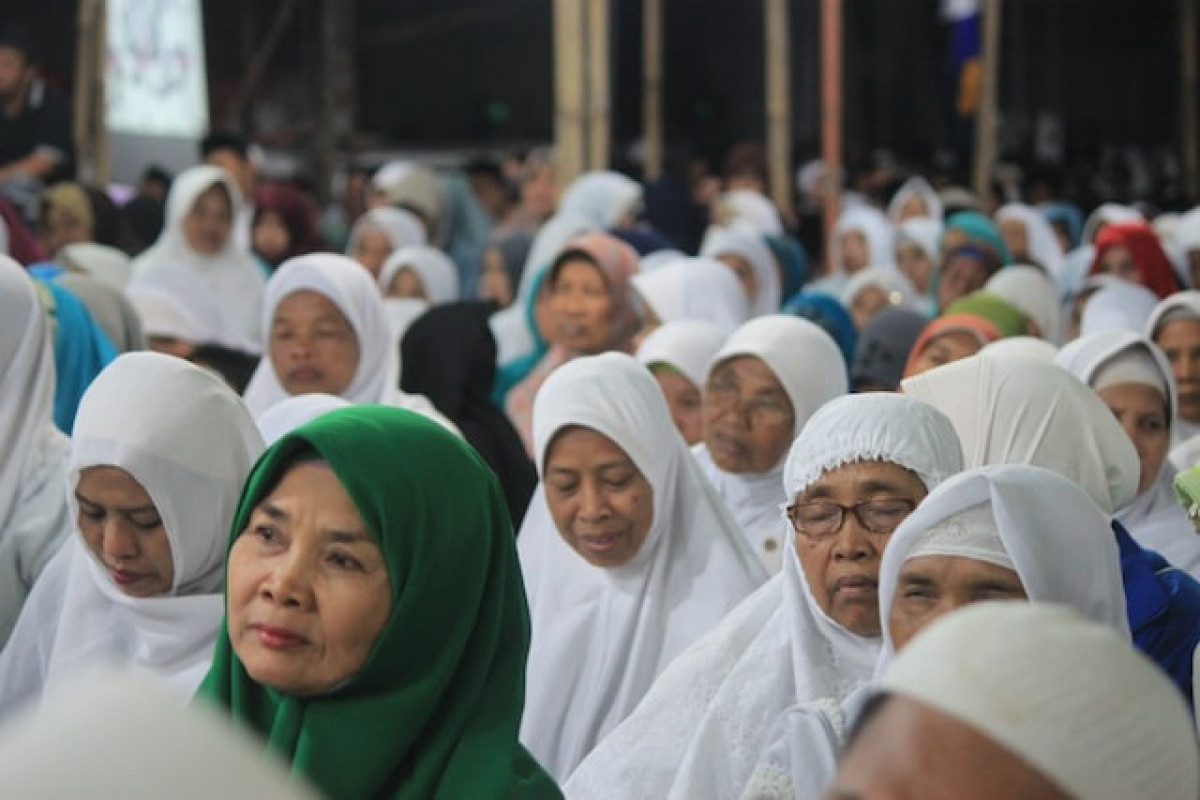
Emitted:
pixel 793 262
pixel 81 350
pixel 1067 215
pixel 515 371
pixel 827 312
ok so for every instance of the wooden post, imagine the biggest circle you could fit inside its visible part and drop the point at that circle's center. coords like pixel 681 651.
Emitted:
pixel 831 112
pixel 987 117
pixel 1187 105
pixel 779 102
pixel 262 57
pixel 102 150
pixel 85 40
pixel 598 84
pixel 324 139
pixel 652 79
pixel 568 90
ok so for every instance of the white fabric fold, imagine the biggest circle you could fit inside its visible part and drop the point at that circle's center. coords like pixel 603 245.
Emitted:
pixel 740 239
pixel 694 289
pixel 687 345
pixel 437 273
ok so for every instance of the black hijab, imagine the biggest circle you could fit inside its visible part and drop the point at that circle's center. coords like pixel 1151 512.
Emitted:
pixel 449 355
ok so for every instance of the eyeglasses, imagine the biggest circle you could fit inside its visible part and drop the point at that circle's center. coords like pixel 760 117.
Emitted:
pixel 725 395
pixel 821 519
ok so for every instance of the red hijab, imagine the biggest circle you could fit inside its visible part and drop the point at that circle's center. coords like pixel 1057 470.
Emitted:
pixel 1151 260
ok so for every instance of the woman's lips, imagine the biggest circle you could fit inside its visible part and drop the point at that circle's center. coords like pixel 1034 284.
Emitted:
pixel 123 577
pixel 274 638
pixel 856 586
pixel 303 375
pixel 601 544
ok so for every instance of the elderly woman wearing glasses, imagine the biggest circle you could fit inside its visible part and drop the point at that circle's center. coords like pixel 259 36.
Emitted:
pixel 763 385
pixel 859 467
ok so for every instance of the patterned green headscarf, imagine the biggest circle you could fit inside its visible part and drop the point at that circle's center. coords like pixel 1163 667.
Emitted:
pixel 435 710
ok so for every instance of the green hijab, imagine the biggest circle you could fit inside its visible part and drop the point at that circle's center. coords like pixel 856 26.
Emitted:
pixel 434 712
pixel 1007 318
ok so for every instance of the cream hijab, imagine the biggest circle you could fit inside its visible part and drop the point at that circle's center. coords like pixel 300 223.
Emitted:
pixel 702 727
pixel 1016 410
pixel 602 636
pixel 182 434
pixel 225 288
pixel 1154 518
pixel 351 288
pixel 33 454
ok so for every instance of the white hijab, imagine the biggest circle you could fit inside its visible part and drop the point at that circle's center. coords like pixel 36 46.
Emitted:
pixel 1021 347
pixel 600 637
pixel 349 287
pixel 687 345
pixel 1118 306
pixel 435 270
pixel 226 288
pixel 879 234
pixel 694 289
pixel 1034 294
pixel 402 228
pixel 1154 518
pixel 165 315
pixel 602 198
pixel 1181 305
pixel 182 434
pixel 918 187
pixel 742 240
pixel 33 454
pixel 510 326
pixel 287 415
pixel 889 280
pixel 701 729
pixel 811 370
pixel 1015 410
pixel 751 208
pixel 1043 245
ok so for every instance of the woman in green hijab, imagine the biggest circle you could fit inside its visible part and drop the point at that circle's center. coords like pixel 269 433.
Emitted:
pixel 376 626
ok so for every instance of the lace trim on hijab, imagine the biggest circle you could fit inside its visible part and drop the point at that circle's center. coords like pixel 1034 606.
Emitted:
pixel 968 534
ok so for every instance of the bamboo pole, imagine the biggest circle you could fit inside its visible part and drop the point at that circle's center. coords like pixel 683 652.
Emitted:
pixel 598 84
pixel 831 112
pixel 102 152
pixel 986 121
pixel 1187 105
pixel 85 43
pixel 652 79
pixel 568 90
pixel 262 57
pixel 779 102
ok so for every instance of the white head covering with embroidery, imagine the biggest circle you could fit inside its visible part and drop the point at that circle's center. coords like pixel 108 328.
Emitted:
pixel 1067 696
pixel 601 636
pixel 188 440
pixel 701 729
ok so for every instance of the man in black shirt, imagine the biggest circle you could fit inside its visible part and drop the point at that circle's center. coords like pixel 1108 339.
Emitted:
pixel 35 124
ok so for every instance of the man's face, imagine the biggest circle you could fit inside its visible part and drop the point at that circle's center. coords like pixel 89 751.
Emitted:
pixel 14 72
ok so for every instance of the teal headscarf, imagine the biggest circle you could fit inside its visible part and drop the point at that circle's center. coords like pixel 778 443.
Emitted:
pixel 981 230
pixel 434 711
pixel 81 350
pixel 515 371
